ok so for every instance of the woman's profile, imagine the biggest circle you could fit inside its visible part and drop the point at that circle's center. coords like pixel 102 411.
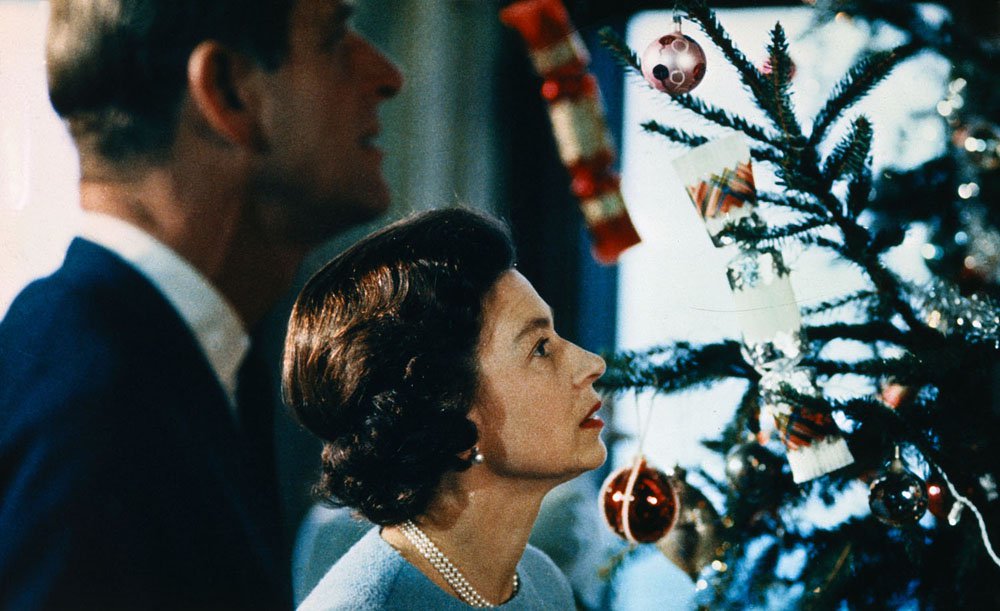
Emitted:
pixel 448 407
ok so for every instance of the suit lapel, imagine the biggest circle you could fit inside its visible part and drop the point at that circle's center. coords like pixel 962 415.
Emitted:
pixel 189 399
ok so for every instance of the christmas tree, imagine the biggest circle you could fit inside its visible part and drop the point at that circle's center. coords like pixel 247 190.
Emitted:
pixel 925 434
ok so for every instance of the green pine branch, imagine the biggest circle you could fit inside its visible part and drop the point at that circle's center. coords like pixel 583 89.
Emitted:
pixel 800 173
pixel 859 191
pixel 850 156
pixel 800 202
pixel 827 243
pixel 842 561
pixel 795 167
pixel 764 569
pixel 676 367
pixel 780 80
pixel 905 367
pixel 677 135
pixel 870 332
pixel 726 119
pixel 946 39
pixel 687 138
pixel 623 54
pixel 860 79
pixel 859 296
pixel 749 235
pixel 856 248
pixel 699 12
pixel 897 425
pixel 767 154
pixel 629 60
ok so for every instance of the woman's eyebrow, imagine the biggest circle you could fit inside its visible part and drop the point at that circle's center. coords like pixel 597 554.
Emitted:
pixel 541 322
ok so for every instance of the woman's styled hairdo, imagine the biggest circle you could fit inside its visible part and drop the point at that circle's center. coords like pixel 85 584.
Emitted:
pixel 380 358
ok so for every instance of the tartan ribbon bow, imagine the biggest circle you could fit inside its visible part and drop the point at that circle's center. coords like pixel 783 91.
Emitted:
pixel 799 427
pixel 722 192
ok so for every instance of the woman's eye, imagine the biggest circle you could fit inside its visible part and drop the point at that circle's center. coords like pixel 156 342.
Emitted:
pixel 541 348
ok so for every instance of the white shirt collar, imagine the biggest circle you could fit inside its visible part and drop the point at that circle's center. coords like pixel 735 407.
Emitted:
pixel 206 312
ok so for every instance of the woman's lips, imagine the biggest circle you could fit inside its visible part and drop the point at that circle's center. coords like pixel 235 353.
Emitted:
pixel 592 421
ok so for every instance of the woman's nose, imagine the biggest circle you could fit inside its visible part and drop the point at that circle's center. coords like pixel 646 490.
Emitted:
pixel 592 367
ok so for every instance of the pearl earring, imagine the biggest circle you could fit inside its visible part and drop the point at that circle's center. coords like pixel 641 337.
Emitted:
pixel 477 456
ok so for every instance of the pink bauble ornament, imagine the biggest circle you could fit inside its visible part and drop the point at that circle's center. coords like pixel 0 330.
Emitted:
pixel 766 69
pixel 674 63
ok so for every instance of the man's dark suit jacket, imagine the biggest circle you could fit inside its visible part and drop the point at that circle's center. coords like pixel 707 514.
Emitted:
pixel 124 480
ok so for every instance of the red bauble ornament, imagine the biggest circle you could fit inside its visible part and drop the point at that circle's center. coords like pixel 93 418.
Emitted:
pixel 674 63
pixel 939 499
pixel 894 394
pixel 639 503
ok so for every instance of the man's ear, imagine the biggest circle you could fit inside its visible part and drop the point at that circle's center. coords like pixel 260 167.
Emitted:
pixel 224 87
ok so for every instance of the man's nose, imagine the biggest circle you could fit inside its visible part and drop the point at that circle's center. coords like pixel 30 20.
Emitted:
pixel 386 73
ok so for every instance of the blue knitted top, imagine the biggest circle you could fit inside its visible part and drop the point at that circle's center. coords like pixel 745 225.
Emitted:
pixel 373 576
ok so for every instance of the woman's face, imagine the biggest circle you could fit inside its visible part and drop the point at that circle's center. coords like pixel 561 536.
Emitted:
pixel 535 409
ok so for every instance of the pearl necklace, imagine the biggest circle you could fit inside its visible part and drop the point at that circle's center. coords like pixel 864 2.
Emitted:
pixel 444 566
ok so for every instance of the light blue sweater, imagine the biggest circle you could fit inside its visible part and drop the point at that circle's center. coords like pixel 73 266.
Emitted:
pixel 373 576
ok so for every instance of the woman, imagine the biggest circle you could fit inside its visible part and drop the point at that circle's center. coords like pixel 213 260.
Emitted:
pixel 449 407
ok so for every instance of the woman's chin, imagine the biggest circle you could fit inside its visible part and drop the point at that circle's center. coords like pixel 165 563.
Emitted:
pixel 594 458
pixel 602 455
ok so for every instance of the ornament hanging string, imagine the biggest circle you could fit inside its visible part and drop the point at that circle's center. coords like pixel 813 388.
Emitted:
pixel 979 517
pixel 637 463
pixel 627 500
pixel 643 426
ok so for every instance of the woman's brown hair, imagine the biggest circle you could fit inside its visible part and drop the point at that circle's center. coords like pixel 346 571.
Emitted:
pixel 380 358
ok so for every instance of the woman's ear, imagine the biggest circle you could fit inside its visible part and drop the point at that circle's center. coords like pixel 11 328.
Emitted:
pixel 475 416
pixel 224 88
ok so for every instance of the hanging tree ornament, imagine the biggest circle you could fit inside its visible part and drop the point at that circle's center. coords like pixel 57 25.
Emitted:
pixel 940 502
pixel 766 68
pixel 578 123
pixel 718 177
pixel 693 542
pixel 638 502
pixel 812 440
pixel 894 394
pixel 898 497
pixel 753 470
pixel 719 180
pixel 674 63
pixel 766 309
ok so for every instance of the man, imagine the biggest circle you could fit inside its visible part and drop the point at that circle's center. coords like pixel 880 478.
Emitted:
pixel 219 141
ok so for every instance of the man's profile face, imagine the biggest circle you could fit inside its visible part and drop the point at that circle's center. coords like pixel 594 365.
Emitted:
pixel 322 120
